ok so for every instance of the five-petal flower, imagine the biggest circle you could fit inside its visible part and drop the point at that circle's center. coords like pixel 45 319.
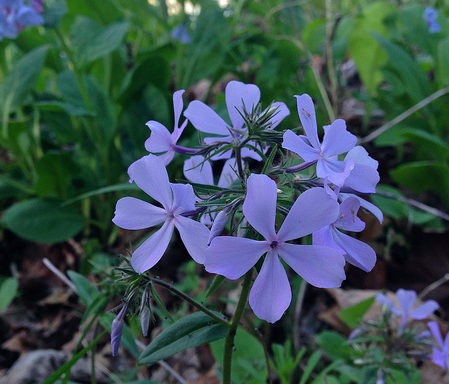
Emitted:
pixel 321 266
pixel 406 309
pixel 177 200
pixel 337 140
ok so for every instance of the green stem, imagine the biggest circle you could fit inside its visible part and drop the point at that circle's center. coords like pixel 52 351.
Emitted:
pixel 187 298
pixel 229 342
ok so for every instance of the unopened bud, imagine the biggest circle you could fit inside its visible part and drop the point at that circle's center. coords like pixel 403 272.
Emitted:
pixel 218 225
pixel 117 330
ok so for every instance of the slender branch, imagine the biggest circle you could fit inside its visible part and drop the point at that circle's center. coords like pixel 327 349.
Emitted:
pixel 416 204
pixel 404 115
pixel 297 314
pixel 229 342
pixel 58 273
pixel 433 286
pixel 191 301
pixel 331 22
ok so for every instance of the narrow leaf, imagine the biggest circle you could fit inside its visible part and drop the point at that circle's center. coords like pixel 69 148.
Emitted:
pixel 190 331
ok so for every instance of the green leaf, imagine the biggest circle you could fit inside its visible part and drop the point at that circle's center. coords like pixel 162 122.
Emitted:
pixel 8 290
pixel 413 79
pixel 248 352
pixel 442 69
pixel 54 173
pixel 20 81
pixel 92 41
pixel 190 331
pixel 311 364
pixel 85 289
pixel 420 176
pixel 367 53
pixel 334 345
pixel 42 221
pixel 352 315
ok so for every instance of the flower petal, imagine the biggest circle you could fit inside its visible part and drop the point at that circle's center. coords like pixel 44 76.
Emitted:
pixel 178 105
pixel 425 310
pixel 406 299
pixel 281 112
pixel 150 175
pixel 232 256
pixel 152 249
pixel 160 138
pixel 435 329
pixel 348 219
pixel 298 145
pixel 336 171
pixel 195 236
pixel 357 252
pixel 132 213
pixel 183 198
pixel 198 170
pixel 205 119
pixel 312 210
pixel 337 139
pixel 259 207
pixel 228 174
pixel 366 205
pixel 362 178
pixel 270 294
pixel 359 155
pixel 240 97
pixel 320 266
pixel 306 112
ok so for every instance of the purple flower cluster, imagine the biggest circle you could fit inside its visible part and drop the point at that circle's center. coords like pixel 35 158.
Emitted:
pixel 17 14
pixel 406 308
pixel 430 16
pixel 249 219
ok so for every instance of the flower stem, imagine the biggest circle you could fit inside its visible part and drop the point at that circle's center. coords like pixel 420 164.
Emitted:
pixel 229 342
pixel 187 298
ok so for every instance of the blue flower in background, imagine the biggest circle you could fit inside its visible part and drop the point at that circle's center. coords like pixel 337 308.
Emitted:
pixel 431 17
pixel 181 33
pixel 16 15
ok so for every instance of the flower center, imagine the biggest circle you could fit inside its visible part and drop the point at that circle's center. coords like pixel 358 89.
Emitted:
pixel 274 244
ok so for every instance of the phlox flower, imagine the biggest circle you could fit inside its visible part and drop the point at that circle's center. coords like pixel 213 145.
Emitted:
pixel 337 140
pixel 440 353
pixel 356 252
pixel 17 14
pixel 181 34
pixel 177 200
pixel 406 309
pixel 430 16
pixel 240 97
pixel 161 141
pixel 321 266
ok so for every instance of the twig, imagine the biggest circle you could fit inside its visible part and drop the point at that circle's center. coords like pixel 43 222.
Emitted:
pixel 416 204
pixel 58 273
pixel 164 364
pixel 297 314
pixel 433 286
pixel 404 115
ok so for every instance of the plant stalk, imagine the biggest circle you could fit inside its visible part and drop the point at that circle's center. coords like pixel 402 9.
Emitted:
pixel 229 342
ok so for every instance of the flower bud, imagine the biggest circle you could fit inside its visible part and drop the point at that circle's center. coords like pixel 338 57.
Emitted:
pixel 117 330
